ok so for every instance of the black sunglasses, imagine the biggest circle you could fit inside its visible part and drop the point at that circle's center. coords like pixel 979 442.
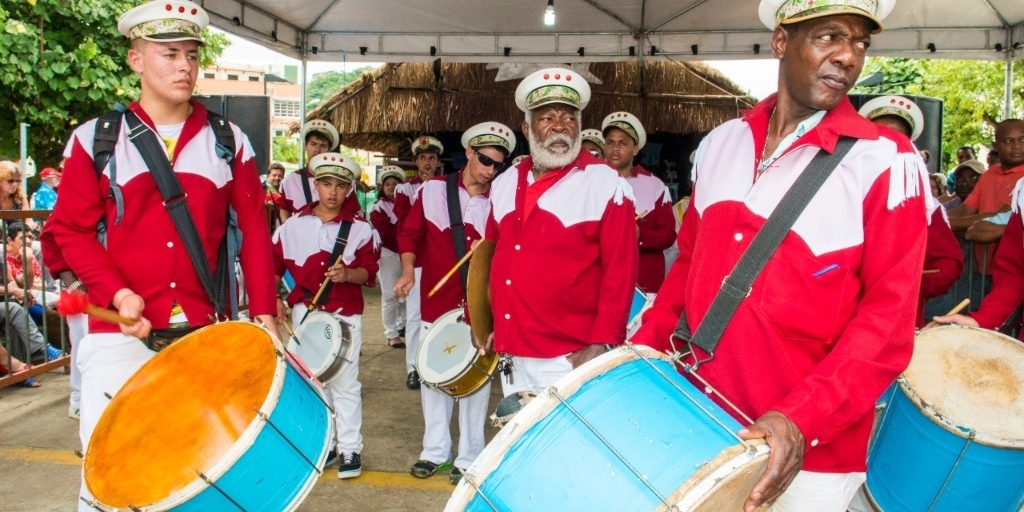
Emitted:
pixel 487 161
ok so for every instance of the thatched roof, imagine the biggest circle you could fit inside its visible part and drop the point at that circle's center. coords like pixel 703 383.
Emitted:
pixel 386 108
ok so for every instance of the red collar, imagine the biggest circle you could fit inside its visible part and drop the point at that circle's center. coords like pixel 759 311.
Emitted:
pixel 638 170
pixel 193 124
pixel 583 159
pixel 350 210
pixel 843 120
pixel 444 177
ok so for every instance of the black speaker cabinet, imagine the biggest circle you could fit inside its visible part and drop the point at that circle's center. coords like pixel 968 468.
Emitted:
pixel 931 136
pixel 252 115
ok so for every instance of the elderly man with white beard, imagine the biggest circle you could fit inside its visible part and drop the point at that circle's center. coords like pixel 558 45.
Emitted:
pixel 565 259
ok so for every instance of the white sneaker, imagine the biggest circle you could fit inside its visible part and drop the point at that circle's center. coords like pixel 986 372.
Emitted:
pixel 73 411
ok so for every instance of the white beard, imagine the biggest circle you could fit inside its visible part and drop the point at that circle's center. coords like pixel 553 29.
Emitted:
pixel 545 158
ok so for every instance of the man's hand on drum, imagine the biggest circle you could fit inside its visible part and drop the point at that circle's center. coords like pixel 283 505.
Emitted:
pixel 585 354
pixel 784 460
pixel 337 273
pixel 486 348
pixel 957 320
pixel 130 305
pixel 404 284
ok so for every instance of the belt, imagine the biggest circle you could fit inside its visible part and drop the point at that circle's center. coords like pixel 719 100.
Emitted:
pixel 160 339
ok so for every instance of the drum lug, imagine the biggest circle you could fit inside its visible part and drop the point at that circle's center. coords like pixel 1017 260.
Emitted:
pixel 91 504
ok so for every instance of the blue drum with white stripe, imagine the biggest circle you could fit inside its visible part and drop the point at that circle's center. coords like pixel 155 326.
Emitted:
pixel 622 432
pixel 641 303
pixel 951 434
pixel 220 420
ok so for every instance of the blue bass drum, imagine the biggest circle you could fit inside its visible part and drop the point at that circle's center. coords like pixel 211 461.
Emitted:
pixel 951 434
pixel 622 432
pixel 641 303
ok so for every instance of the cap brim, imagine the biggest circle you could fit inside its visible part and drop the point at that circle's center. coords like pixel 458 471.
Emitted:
pixel 173 38
pixel 876 29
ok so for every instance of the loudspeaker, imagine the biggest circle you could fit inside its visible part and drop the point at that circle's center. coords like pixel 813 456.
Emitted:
pixel 931 135
pixel 252 115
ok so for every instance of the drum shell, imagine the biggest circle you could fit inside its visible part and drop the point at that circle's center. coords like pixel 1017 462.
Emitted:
pixel 640 304
pixel 915 455
pixel 473 376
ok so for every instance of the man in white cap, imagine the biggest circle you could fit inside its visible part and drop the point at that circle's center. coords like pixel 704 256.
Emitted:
pixel 323 221
pixel 565 258
pixel 943 259
pixel 850 265
pixel 297 189
pixel 129 271
pixel 593 142
pixel 624 137
pixel 426 151
pixel 428 239
pixel 384 220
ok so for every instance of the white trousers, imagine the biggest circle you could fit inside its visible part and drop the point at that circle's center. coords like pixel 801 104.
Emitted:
pixel 437 418
pixel 413 323
pixel 106 361
pixel 819 492
pixel 345 392
pixel 78 327
pixel 534 374
pixel 392 308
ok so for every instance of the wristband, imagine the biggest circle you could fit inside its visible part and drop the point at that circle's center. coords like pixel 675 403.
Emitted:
pixel 74 286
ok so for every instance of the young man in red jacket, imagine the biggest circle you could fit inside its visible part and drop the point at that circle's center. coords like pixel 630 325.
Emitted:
pixel 318 136
pixel 385 221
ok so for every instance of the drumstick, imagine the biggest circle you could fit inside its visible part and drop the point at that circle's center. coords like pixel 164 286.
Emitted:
pixel 323 285
pixel 74 303
pixel 959 307
pixel 450 273
pixel 931 271
pixel 642 215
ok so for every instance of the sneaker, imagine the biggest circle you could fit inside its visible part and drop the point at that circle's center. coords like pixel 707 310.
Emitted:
pixel 425 468
pixel 332 459
pixel 401 332
pixel 73 412
pixel 350 466
pixel 52 352
pixel 456 476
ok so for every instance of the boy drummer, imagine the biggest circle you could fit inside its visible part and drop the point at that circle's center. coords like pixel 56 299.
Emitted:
pixel 307 246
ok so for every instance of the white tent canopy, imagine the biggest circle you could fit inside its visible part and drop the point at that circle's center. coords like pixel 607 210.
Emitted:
pixel 591 30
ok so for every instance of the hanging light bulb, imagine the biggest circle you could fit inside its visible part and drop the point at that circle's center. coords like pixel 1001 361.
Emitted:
pixel 549 14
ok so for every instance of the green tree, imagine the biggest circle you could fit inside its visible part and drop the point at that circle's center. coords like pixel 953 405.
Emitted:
pixel 63 62
pixel 324 85
pixel 285 149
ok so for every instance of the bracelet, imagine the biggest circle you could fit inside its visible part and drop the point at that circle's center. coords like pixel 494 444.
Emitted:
pixel 74 286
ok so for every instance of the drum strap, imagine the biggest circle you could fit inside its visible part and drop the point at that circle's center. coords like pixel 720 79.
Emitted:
pixel 339 248
pixel 306 192
pixel 458 228
pixel 736 285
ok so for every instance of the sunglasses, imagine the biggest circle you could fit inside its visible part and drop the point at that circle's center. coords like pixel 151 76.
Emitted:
pixel 487 161
pixel 12 181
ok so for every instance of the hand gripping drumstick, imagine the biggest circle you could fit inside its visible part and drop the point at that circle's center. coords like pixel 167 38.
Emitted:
pixel 323 285
pixel 959 307
pixel 450 273
pixel 76 302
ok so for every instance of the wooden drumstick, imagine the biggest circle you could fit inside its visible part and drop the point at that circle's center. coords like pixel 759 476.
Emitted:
pixel 959 307
pixel 74 303
pixel 931 271
pixel 642 215
pixel 323 285
pixel 450 273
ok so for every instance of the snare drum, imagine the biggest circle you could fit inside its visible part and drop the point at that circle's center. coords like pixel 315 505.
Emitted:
pixel 641 303
pixel 447 359
pixel 951 436
pixel 623 432
pixel 324 345
pixel 220 420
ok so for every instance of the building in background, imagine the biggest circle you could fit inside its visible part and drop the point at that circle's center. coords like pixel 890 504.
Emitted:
pixel 280 83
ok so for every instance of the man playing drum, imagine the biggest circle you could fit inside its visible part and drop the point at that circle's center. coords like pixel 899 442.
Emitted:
pixel 297 189
pixel 828 323
pixel 309 246
pixel 565 257
pixel 143 269
pixel 426 239
pixel 427 153
pixel 385 222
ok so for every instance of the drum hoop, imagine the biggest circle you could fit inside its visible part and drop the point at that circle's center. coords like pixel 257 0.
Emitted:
pixel 244 442
pixel 567 386
pixel 336 344
pixel 728 461
pixel 933 415
pixel 421 351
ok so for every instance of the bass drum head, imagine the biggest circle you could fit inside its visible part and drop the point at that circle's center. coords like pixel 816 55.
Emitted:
pixel 446 351
pixel 322 343
pixel 969 378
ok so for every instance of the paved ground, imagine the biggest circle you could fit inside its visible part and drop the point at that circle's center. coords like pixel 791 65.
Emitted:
pixel 40 472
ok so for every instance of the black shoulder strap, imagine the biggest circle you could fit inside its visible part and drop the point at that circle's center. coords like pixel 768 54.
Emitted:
pixel 304 178
pixel 108 128
pixel 175 202
pixel 225 137
pixel 339 248
pixel 737 284
pixel 458 228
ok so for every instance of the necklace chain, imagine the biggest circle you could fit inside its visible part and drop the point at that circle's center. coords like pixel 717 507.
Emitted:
pixel 763 165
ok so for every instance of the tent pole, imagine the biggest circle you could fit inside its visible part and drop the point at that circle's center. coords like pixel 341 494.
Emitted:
pixel 302 101
pixel 1008 85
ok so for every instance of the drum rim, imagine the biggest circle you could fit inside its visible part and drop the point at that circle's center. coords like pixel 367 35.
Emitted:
pixel 421 351
pixel 322 370
pixel 936 416
pixel 488 459
pixel 244 442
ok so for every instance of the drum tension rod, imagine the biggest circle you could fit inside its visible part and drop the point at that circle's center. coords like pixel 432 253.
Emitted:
pixel 133 508
pixel 308 384
pixel 218 489
pixel 91 504
pixel 554 391
pixel 970 440
pixel 472 482
pixel 266 419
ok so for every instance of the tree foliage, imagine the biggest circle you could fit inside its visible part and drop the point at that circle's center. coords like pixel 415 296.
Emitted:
pixel 972 94
pixel 286 149
pixel 63 62
pixel 324 85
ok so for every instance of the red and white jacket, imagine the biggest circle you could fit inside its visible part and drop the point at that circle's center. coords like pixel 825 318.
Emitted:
pixel 293 197
pixel 384 220
pixel 1007 271
pixel 829 323
pixel 565 260
pixel 144 252
pixel 427 232
pixel 405 197
pixel 303 247
pixel 657 227
pixel 942 254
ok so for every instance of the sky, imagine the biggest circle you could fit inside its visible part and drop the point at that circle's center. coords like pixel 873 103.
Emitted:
pixel 756 76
